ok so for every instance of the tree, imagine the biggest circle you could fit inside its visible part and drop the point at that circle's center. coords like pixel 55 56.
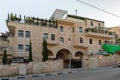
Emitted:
pixel 30 52
pixel 8 16
pixel 12 16
pixel 4 59
pixel 45 50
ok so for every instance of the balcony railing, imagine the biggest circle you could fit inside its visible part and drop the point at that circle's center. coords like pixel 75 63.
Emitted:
pixel 99 33
pixel 33 21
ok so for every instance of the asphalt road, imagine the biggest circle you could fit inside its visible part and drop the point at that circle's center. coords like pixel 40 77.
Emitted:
pixel 89 74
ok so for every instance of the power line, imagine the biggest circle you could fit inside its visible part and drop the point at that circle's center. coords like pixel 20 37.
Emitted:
pixel 98 8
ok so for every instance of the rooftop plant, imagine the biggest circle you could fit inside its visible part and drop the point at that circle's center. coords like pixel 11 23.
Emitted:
pixel 14 17
pixel 76 17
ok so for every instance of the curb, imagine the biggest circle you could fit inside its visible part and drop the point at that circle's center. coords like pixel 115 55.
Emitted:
pixel 19 77
pixel 4 78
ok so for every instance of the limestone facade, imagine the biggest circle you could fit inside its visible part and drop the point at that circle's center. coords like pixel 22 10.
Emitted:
pixel 4 44
pixel 116 30
pixel 72 39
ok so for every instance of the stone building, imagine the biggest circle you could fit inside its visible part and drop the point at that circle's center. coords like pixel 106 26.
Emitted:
pixel 4 44
pixel 116 30
pixel 73 38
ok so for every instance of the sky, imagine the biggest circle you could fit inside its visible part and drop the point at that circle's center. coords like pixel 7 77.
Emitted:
pixel 45 8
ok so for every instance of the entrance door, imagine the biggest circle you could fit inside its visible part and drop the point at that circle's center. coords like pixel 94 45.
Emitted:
pixel 66 56
pixel 76 63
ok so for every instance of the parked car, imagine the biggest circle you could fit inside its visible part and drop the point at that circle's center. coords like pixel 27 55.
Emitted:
pixel 118 64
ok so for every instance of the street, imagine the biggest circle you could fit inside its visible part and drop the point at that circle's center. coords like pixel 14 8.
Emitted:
pixel 105 73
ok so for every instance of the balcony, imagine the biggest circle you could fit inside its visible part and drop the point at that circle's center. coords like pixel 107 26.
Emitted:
pixel 91 32
pixel 78 44
pixel 52 42
pixel 117 41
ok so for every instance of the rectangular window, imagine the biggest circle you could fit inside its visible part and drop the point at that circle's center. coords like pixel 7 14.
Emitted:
pixel 27 34
pixel 61 29
pixel 100 50
pixel 80 29
pixel 61 39
pixel 81 40
pixel 90 40
pixel 68 39
pixel 45 36
pixel 20 33
pixel 98 24
pixel 50 24
pixel 20 47
pixel 52 36
pixel 73 29
pixel 27 47
pixel 99 42
pixel 106 41
pixel 91 23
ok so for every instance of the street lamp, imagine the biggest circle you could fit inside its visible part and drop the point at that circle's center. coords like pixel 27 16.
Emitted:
pixel 100 57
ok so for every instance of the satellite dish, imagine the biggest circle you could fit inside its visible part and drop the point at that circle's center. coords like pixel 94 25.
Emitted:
pixel 58 14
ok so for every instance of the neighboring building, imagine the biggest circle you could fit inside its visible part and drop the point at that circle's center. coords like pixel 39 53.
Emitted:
pixel 4 44
pixel 73 38
pixel 116 30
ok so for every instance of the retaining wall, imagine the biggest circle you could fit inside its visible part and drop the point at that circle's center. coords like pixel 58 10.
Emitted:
pixel 101 60
pixel 32 68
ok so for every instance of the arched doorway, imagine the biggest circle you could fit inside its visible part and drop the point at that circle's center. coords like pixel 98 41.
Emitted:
pixel 66 56
pixel 50 54
pixel 77 62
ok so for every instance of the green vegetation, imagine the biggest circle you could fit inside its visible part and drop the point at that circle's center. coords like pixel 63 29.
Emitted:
pixel 76 17
pixel 90 30
pixel 4 59
pixel 30 52
pixel 32 20
pixel 45 50
pixel 98 30
pixel 14 17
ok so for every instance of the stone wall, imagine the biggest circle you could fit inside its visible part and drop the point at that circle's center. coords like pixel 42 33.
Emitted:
pixel 9 70
pixel 32 67
pixel 101 60
pixel 52 66
pixel 108 60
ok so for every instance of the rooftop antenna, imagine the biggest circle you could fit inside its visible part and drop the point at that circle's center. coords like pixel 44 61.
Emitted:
pixel 76 12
